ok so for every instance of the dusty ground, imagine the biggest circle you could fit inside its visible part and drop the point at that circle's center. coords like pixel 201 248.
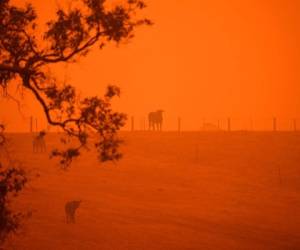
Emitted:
pixel 171 191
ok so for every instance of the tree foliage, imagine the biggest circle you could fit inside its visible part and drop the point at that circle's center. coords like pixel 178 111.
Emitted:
pixel 26 57
pixel 12 181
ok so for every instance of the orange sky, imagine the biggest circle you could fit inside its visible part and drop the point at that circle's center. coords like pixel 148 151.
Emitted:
pixel 201 60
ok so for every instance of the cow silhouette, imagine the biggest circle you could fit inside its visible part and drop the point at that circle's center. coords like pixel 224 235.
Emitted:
pixel 70 209
pixel 155 120
pixel 38 143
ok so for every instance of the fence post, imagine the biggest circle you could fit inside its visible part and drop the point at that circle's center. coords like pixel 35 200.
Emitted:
pixel 229 124
pixel 196 153
pixel 274 124
pixel 31 124
pixel 132 123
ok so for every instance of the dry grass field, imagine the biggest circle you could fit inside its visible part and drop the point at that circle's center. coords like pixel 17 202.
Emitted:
pixel 171 191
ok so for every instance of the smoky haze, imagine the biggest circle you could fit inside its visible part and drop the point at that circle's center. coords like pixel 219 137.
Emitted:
pixel 202 61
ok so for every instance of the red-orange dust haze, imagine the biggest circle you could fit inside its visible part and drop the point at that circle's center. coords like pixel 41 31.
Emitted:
pixel 202 60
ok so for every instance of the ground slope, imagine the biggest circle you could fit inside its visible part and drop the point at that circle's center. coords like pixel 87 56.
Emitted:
pixel 171 191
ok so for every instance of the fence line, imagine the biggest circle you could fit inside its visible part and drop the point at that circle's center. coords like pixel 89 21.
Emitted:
pixel 179 123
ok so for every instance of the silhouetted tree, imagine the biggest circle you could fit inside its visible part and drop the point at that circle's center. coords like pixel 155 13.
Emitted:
pixel 26 56
pixel 12 181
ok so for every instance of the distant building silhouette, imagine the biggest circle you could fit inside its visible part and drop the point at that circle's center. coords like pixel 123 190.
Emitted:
pixel 210 127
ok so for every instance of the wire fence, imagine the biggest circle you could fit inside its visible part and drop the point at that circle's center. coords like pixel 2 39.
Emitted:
pixel 181 123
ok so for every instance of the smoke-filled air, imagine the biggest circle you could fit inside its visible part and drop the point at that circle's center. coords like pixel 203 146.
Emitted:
pixel 149 124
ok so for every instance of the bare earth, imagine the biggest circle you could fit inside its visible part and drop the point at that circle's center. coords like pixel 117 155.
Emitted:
pixel 171 191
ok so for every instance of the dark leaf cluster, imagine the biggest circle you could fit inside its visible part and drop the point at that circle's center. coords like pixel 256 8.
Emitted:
pixel 12 181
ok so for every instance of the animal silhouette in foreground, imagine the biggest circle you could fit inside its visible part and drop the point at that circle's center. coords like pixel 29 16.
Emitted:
pixel 70 209
pixel 38 143
pixel 155 120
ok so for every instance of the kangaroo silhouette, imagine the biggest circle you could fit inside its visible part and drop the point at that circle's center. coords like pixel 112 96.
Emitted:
pixel 70 209
pixel 38 143
pixel 155 120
